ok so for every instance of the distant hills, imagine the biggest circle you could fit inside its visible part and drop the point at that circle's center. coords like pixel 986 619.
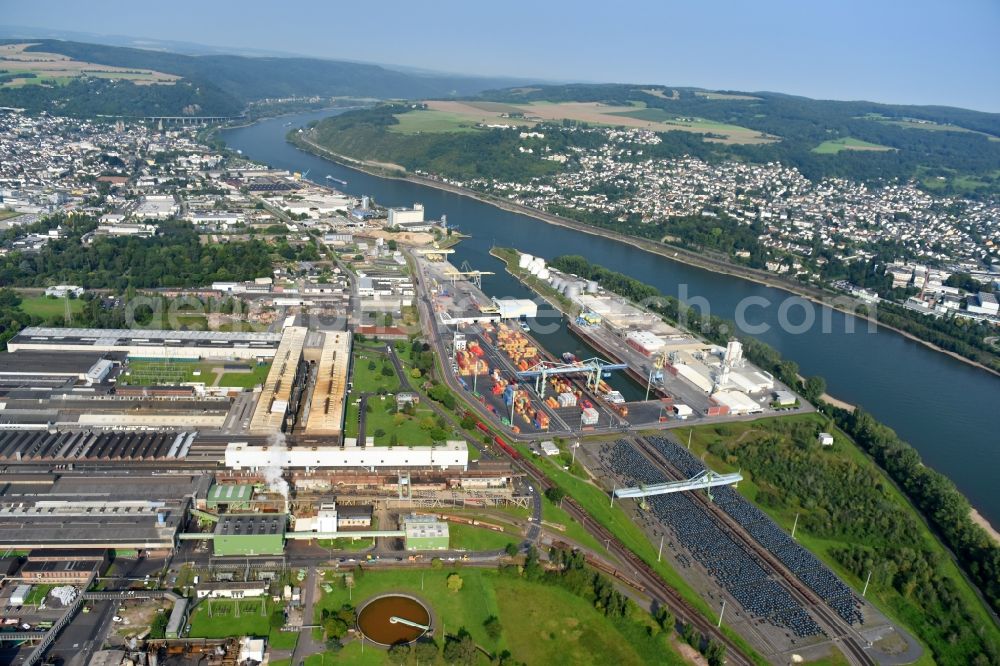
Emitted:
pixel 947 149
pixel 214 84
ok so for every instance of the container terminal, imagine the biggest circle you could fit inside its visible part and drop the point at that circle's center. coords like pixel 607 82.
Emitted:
pixel 534 391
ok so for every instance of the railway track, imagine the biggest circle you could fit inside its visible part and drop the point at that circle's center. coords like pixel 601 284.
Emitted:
pixel 643 573
pixel 836 629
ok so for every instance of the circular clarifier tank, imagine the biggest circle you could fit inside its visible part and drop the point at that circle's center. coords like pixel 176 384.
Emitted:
pixel 393 618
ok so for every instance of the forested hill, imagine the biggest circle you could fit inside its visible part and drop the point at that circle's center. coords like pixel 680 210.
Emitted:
pixel 950 150
pixel 220 84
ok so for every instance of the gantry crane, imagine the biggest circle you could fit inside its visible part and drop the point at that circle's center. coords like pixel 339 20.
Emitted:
pixel 466 270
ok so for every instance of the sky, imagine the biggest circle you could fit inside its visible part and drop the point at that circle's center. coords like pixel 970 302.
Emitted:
pixel 905 51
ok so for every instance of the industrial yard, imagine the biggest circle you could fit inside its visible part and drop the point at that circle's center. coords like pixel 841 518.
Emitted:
pixel 776 592
pixel 216 462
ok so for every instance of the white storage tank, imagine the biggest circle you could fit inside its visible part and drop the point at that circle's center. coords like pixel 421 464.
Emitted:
pixel 592 287
pixel 558 283
pixel 524 260
pixel 543 274
pixel 572 290
pixel 536 265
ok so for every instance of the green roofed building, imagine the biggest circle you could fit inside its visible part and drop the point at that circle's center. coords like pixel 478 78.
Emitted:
pixel 231 497
pixel 424 533
pixel 247 534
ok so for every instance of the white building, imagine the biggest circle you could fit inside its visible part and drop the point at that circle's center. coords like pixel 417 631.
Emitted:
pixel 984 303
pixel 515 308
pixel 156 207
pixel 450 455
pixel 20 595
pixel 398 216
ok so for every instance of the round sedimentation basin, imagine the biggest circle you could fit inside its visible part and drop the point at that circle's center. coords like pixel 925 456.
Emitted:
pixel 375 619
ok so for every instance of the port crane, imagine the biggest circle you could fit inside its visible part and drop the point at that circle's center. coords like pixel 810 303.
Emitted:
pixel 593 368
pixel 476 277
pixel 705 479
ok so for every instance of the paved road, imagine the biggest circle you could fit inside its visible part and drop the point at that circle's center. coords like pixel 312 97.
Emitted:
pixel 306 644
pixel 84 635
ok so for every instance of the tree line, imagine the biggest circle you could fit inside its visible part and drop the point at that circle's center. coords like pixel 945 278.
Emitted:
pixel 174 257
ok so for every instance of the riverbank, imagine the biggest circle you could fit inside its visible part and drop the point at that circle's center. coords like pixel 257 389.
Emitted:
pixel 509 258
pixel 680 255
pixel 978 519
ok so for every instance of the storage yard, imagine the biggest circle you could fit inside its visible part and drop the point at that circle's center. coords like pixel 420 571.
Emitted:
pixel 778 594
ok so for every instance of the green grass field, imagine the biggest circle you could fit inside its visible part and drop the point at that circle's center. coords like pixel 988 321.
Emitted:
pixel 368 380
pixel 345 543
pixel 246 380
pixel 8 214
pixel 542 624
pixel 167 372
pixel 282 640
pixel 221 621
pixel 834 146
pixel 407 428
pixel 472 538
pixel 37 594
pixel 596 502
pixel 430 120
pixel 172 372
pixel 48 307
pixel 574 530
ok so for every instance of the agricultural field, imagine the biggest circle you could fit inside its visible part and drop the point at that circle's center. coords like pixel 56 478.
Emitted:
pixel 661 93
pixel 834 146
pixel 928 125
pixel 635 115
pixel 707 94
pixel 6 214
pixel 424 121
pixel 48 307
pixel 19 67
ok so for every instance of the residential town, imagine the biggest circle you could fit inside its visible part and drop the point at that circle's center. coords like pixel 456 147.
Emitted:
pixel 133 178
pixel 859 223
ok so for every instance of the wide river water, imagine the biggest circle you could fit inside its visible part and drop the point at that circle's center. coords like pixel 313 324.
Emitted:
pixel 942 406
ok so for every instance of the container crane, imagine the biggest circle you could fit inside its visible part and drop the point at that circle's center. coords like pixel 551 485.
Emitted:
pixel 593 368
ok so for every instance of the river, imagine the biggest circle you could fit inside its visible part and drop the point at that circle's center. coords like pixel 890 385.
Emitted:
pixel 942 406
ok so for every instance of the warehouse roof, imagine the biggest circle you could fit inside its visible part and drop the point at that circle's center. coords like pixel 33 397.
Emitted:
pixel 119 337
pixel 53 363
pixel 420 528
pixel 248 524
pixel 107 531
pixel 326 414
pixel 230 493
